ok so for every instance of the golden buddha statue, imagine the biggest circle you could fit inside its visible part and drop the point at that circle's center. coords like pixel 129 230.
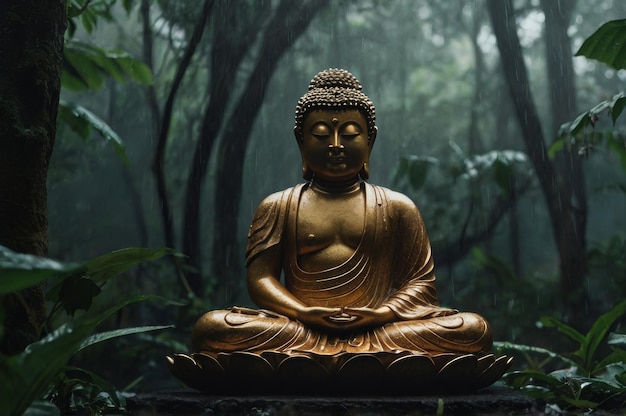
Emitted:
pixel 357 264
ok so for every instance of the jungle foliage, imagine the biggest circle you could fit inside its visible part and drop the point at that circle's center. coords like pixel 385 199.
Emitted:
pixel 43 370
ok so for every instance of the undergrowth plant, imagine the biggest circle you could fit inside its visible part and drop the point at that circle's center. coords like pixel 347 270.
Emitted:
pixel 588 378
pixel 40 380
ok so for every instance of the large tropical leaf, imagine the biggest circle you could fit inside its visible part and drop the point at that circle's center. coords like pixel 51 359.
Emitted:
pixel 607 44
pixel 86 66
pixel 20 271
pixel 82 121
pixel 89 12
pixel 507 346
pixel 413 168
pixel 26 376
pixel 597 334
pixel 111 264
pixel 76 292
pixel 116 333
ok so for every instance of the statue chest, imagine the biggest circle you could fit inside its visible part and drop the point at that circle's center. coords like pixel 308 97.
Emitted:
pixel 330 226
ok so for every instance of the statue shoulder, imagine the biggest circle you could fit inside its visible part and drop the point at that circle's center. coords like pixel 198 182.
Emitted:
pixel 398 202
pixel 268 224
pixel 277 200
pixel 271 200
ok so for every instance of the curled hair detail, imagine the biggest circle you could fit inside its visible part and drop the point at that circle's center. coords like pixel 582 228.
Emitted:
pixel 335 89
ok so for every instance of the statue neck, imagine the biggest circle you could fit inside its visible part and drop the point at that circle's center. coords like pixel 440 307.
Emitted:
pixel 334 187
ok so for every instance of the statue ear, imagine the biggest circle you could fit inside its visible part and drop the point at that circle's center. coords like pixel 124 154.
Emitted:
pixel 364 173
pixel 307 173
pixel 372 138
pixel 365 169
pixel 298 135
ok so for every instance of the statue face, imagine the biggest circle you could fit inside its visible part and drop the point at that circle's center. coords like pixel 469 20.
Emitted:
pixel 334 143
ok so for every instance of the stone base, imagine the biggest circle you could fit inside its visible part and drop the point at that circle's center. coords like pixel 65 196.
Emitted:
pixel 489 401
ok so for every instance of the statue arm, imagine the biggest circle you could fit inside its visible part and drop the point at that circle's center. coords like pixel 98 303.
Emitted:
pixel 266 291
pixel 264 284
pixel 413 266
pixel 264 263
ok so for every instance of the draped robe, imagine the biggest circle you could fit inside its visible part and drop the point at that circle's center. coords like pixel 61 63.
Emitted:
pixel 392 266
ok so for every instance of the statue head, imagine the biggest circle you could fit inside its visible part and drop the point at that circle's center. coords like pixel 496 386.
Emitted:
pixel 335 90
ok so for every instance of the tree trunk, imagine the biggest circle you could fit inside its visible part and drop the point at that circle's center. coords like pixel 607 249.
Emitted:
pixel 31 53
pixel 557 194
pixel 164 119
pixel 569 165
pixel 286 26
pixel 228 50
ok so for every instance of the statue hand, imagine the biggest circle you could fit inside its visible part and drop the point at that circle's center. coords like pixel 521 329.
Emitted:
pixel 318 316
pixel 368 317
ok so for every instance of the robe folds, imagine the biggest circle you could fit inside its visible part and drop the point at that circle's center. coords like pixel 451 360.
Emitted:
pixel 392 266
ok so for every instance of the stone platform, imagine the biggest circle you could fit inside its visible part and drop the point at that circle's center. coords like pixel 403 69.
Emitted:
pixel 489 401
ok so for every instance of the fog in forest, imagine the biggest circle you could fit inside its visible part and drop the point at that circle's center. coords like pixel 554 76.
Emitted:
pixel 450 136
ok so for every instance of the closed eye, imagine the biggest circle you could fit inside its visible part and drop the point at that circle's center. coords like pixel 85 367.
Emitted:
pixel 350 130
pixel 349 136
pixel 321 131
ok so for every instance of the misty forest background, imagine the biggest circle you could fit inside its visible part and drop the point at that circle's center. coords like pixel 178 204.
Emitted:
pixel 211 136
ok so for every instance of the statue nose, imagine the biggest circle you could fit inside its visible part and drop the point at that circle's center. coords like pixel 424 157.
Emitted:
pixel 336 143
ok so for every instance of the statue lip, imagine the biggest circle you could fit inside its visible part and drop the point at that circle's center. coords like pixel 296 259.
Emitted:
pixel 336 158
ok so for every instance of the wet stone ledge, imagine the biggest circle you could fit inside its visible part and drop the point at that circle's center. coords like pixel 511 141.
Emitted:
pixel 489 401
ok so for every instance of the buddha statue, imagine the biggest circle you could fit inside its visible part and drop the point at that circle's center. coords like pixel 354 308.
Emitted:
pixel 356 264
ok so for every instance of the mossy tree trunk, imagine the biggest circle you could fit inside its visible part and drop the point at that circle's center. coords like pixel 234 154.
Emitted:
pixel 31 53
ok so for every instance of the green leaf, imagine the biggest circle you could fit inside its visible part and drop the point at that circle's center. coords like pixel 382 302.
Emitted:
pixel 26 376
pixel 78 125
pixel 20 271
pixel 78 293
pixel 78 117
pixel 507 346
pixel 564 328
pixel 127 4
pixel 521 378
pixel 418 167
pixel 136 70
pixel 598 333
pixel 89 20
pixel 607 44
pixel 85 66
pixel 83 377
pixel 104 336
pixel 111 264
pixel 556 147
pixel 621 379
pixel 611 372
pixel 73 10
pixel 81 66
pixel 617 106
pixel 580 403
pixel 616 339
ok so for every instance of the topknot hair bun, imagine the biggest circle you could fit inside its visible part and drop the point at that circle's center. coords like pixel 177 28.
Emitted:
pixel 335 78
